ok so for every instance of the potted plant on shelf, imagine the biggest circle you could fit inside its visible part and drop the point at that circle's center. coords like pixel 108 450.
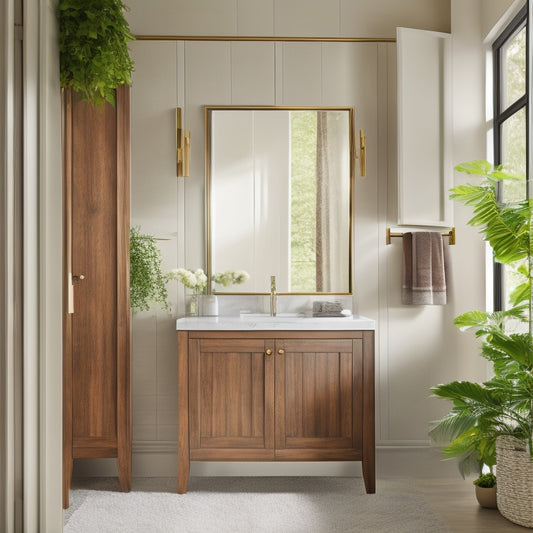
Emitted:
pixel 147 280
pixel 499 411
pixel 94 56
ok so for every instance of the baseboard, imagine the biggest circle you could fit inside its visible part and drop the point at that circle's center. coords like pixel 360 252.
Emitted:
pixel 159 459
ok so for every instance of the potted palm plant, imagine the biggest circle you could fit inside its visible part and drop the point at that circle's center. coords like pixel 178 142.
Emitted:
pixel 497 414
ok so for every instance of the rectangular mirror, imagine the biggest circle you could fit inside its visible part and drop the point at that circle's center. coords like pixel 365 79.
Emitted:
pixel 279 197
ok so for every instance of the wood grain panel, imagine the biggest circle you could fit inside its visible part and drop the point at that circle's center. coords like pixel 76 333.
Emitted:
pixel 183 408
pixel 232 454
pixel 311 400
pixel 369 436
pixel 228 394
pixel 67 269
pixel 294 395
pixel 97 336
pixel 233 442
pixel 123 317
pixel 357 396
pixel 273 334
pixel 95 452
pixel 318 442
pixel 94 255
pixel 317 393
pixel 322 454
pixel 236 346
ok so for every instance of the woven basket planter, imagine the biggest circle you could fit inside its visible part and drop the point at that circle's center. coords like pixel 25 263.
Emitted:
pixel 515 480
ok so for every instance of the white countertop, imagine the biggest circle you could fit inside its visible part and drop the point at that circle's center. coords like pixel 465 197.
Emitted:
pixel 265 322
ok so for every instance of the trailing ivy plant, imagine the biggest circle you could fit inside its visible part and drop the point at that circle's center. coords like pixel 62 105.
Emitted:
pixel 94 56
pixel 147 280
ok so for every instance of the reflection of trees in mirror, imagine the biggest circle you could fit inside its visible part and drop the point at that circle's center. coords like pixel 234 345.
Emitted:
pixel 315 192
pixel 303 201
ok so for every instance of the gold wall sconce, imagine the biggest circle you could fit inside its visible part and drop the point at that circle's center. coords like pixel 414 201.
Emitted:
pixel 362 152
pixel 183 145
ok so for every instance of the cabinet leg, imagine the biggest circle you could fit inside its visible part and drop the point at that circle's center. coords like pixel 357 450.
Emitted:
pixel 369 475
pixel 183 475
pixel 124 472
pixel 67 477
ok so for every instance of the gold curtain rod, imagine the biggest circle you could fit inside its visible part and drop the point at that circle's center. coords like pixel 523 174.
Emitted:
pixel 450 235
pixel 267 39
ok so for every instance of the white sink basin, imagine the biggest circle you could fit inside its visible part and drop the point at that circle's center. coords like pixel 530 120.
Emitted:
pixel 284 321
pixel 267 316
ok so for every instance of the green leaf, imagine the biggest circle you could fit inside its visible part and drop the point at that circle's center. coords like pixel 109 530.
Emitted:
pixel 470 319
pixel 94 57
pixel 147 280
pixel 478 167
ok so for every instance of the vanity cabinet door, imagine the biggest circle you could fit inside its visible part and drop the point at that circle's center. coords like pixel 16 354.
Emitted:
pixel 319 399
pixel 231 399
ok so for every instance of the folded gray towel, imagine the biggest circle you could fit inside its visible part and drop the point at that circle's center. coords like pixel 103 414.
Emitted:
pixel 327 309
pixel 423 278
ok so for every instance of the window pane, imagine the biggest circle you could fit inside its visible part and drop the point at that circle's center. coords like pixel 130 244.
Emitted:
pixel 513 152
pixel 513 69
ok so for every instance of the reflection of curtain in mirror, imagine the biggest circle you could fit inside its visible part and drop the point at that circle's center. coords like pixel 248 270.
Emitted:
pixel 323 280
pixel 330 173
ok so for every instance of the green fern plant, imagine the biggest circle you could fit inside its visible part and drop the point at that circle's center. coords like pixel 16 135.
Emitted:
pixel 93 47
pixel 147 280
pixel 502 405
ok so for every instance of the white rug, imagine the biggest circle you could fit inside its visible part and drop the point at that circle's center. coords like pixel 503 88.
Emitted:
pixel 251 505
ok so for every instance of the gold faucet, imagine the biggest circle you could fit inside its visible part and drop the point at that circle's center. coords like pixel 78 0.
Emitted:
pixel 273 296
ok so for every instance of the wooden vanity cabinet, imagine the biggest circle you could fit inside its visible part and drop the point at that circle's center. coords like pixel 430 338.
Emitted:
pixel 276 396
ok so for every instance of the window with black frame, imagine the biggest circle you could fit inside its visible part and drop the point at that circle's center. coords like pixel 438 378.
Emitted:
pixel 511 128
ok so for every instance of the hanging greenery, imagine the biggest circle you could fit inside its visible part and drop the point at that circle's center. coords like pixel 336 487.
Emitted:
pixel 147 281
pixel 94 56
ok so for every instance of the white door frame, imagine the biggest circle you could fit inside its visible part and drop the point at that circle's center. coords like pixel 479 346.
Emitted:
pixel 30 243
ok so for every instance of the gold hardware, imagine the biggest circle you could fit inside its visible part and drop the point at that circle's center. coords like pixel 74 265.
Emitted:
pixel 186 153
pixel 267 39
pixel 80 277
pixel 273 296
pixel 268 352
pixel 450 235
pixel 362 153
pixel 281 351
pixel 182 147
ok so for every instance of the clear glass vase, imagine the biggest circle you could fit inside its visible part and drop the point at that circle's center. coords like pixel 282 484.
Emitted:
pixel 194 303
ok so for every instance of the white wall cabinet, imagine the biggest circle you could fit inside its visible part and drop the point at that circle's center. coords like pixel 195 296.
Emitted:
pixel 425 172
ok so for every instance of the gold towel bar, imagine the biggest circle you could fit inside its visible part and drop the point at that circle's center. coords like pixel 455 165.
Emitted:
pixel 450 234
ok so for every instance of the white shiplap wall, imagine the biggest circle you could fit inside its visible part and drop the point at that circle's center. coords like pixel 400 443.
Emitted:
pixel 416 347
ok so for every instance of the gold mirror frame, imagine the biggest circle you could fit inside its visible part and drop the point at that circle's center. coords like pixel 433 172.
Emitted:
pixel 208 189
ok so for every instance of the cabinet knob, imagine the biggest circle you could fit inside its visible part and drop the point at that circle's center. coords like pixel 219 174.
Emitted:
pixel 268 352
pixel 80 277
pixel 281 351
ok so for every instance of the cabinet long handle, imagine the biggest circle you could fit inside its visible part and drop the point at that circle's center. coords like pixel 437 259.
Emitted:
pixel 281 351
pixel 268 352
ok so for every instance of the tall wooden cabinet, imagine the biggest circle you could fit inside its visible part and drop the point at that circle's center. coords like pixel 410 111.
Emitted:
pixel 96 335
pixel 276 396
